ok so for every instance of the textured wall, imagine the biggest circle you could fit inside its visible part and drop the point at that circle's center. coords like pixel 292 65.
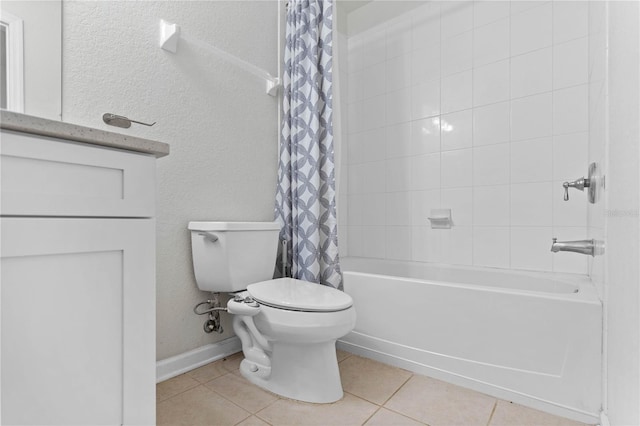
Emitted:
pixel 221 125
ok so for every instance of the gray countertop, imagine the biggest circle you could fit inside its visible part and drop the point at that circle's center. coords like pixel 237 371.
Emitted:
pixel 41 126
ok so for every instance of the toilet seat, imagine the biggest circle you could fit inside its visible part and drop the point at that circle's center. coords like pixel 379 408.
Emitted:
pixel 296 295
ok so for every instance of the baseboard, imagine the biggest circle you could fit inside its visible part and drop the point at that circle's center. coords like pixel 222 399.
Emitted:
pixel 187 361
pixel 604 419
pixel 483 387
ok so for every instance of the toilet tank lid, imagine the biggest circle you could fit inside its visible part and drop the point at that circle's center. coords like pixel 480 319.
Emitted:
pixel 233 226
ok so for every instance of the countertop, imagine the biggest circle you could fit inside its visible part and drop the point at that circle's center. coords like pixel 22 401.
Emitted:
pixel 42 126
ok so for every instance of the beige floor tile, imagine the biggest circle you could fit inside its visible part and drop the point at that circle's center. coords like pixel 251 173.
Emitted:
pixel 342 355
pixel 253 421
pixel 371 380
pixel 350 410
pixel 174 386
pixel 241 392
pixel 510 414
pixel 199 406
pixel 385 417
pixel 438 403
pixel 218 368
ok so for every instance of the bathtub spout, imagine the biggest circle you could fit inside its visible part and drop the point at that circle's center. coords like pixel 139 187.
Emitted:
pixel 589 247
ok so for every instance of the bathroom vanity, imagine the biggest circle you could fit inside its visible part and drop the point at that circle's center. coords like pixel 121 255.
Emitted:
pixel 77 295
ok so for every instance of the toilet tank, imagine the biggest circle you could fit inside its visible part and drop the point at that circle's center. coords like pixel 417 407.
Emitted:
pixel 228 256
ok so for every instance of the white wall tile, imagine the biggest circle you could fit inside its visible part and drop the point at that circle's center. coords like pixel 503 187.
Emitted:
pixel 374 81
pixel 570 19
pixel 491 42
pixel 425 63
pixel 425 136
pixel 374 47
pixel 425 100
pixel 373 209
pixel 531 160
pixel 398 141
pixel 373 245
pixel 354 235
pixel 530 248
pixel 457 53
pixel 519 6
pixel 456 168
pixel 425 171
pixel 487 11
pixel 456 92
pixel 531 117
pixel 456 17
pixel 570 110
pixel 398 72
pixel 426 25
pixel 354 117
pixel 373 145
pixel 491 83
pixel 421 204
pixel 398 172
pixel 456 130
pixel 398 205
pixel 531 204
pixel 399 244
pixel 570 156
pixel 491 247
pixel 531 29
pixel 491 164
pixel 456 245
pixel 426 244
pixel 570 63
pixel 460 201
pixel 355 87
pixel 354 209
pixel 491 124
pixel 372 177
pixel 354 149
pixel 398 106
pixel 531 73
pixel 373 112
pixel 491 205
pixel 398 37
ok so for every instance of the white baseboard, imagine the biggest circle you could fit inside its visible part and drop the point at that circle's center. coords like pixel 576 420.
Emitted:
pixel 179 364
pixel 604 419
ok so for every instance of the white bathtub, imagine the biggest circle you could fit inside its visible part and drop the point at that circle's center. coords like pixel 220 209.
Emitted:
pixel 532 338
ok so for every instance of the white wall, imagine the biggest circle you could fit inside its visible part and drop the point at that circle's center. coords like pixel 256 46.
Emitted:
pixel 42 58
pixel 622 280
pixel 476 106
pixel 221 125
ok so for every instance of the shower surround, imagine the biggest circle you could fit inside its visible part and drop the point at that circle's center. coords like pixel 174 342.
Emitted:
pixel 481 107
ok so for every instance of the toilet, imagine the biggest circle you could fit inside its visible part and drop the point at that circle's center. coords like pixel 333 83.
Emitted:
pixel 288 327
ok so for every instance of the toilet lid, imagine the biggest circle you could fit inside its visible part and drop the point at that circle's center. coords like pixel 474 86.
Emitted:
pixel 296 295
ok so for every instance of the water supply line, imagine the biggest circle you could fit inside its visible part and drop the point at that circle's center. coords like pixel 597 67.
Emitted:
pixel 213 323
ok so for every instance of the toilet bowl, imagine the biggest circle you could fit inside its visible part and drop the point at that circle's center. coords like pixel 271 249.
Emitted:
pixel 288 327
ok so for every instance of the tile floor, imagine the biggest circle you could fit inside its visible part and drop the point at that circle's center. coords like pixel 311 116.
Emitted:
pixel 374 394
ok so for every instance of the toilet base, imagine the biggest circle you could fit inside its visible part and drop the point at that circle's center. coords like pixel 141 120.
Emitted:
pixel 307 372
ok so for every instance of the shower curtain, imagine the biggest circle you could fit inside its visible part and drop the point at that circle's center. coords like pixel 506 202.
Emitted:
pixel 306 198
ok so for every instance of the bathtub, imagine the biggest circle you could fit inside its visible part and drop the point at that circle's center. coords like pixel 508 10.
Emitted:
pixel 531 338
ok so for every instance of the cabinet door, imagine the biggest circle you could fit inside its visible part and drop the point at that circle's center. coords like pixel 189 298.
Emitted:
pixel 78 321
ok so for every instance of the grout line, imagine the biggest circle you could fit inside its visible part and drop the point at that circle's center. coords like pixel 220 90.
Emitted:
pixel 495 405
pixel 371 416
pixel 181 392
pixel 397 390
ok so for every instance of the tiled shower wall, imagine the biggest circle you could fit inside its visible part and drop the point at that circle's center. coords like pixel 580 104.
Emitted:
pixel 478 106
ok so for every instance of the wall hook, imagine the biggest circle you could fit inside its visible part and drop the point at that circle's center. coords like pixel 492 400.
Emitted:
pixel 169 36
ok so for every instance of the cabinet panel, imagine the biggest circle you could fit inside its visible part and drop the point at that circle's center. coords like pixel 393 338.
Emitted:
pixel 44 176
pixel 77 300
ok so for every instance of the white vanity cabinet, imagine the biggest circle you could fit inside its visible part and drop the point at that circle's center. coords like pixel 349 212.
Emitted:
pixel 77 289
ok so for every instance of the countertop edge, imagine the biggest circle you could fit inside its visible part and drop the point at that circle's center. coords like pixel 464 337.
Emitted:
pixel 15 121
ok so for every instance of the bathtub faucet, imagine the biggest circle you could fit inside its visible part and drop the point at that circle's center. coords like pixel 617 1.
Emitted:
pixel 590 247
